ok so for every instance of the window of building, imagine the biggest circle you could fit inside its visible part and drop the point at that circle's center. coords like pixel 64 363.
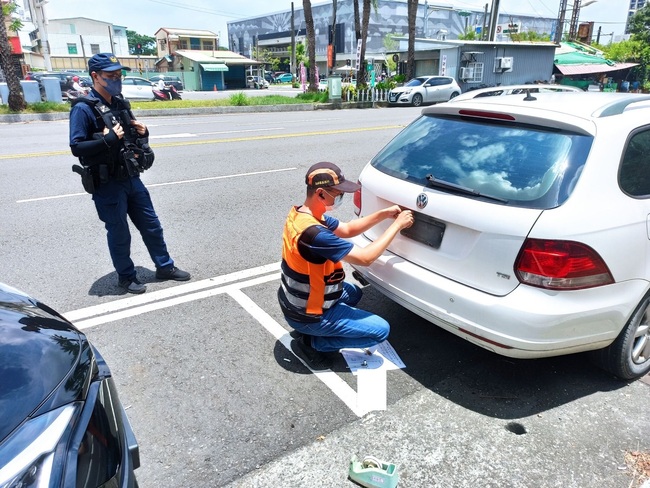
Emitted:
pixel 195 44
pixel 72 48
pixel 182 44
pixel 94 48
pixel 208 45
pixel 73 29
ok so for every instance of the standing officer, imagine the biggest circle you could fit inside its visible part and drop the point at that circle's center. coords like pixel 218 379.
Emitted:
pixel 315 300
pixel 113 150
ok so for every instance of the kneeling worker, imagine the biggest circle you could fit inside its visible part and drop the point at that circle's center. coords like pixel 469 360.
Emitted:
pixel 316 301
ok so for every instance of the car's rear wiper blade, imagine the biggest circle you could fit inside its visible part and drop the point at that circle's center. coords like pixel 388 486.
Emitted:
pixel 435 182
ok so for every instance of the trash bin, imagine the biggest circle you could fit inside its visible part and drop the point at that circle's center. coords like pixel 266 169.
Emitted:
pixel 4 94
pixel 334 87
pixel 52 87
pixel 31 92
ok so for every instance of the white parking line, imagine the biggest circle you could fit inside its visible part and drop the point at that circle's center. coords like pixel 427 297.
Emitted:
pixel 371 385
pixel 179 182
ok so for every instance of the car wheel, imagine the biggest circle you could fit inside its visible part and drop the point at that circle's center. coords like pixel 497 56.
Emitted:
pixel 417 100
pixel 628 357
pixel 454 95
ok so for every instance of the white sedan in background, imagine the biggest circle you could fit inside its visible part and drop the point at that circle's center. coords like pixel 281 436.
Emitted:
pixel 424 89
pixel 136 88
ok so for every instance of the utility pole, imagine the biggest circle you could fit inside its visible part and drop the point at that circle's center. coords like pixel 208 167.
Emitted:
pixel 483 30
pixel 494 20
pixel 37 14
pixel 559 29
pixel 293 45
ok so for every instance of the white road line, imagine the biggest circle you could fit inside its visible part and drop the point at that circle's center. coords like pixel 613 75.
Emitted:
pixel 371 384
pixel 135 301
pixel 333 381
pixel 190 134
pixel 180 182
pixel 171 302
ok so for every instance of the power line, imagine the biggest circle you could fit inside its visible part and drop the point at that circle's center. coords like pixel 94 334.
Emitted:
pixel 194 8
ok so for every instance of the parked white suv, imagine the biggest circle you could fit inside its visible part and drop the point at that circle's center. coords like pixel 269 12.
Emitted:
pixel 532 224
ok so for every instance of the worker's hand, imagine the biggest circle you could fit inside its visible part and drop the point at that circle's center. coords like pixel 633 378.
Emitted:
pixel 404 219
pixel 117 128
pixel 139 126
pixel 392 212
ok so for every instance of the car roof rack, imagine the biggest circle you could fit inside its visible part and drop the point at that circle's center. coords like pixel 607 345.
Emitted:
pixel 618 107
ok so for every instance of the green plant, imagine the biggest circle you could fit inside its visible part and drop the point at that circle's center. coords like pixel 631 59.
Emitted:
pixel 646 86
pixel 399 78
pixel 239 99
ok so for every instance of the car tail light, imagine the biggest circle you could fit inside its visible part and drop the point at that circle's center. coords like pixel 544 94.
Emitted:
pixel 357 201
pixel 561 265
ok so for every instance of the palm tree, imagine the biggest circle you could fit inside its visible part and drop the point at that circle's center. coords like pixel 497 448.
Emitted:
pixel 412 11
pixel 311 45
pixel 361 69
pixel 16 100
pixel 333 32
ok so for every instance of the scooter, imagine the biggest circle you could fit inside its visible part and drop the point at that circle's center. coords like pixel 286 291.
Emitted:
pixel 169 93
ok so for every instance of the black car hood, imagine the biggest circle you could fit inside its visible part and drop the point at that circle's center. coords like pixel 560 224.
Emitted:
pixel 39 352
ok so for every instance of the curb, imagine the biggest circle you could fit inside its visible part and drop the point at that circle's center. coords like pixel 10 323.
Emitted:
pixel 299 107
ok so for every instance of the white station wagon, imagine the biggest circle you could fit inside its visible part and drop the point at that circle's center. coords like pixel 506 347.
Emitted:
pixel 532 224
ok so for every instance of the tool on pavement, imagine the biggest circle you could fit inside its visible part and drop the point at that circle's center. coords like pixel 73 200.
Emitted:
pixel 373 473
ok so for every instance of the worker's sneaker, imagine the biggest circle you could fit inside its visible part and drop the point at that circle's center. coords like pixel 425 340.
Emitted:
pixel 315 360
pixel 132 286
pixel 172 273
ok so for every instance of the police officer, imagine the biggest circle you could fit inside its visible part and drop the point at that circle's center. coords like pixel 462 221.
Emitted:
pixel 113 149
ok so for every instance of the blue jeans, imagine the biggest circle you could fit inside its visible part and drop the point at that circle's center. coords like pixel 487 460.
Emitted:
pixel 115 201
pixel 344 326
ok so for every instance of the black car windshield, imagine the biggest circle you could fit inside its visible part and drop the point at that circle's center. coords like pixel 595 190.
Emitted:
pixel 523 165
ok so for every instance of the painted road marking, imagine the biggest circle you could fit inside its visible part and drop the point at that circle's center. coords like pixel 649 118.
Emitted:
pixel 169 183
pixel 371 384
pixel 220 141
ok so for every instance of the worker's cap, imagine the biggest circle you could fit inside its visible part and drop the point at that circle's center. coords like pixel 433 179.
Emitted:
pixel 105 62
pixel 329 175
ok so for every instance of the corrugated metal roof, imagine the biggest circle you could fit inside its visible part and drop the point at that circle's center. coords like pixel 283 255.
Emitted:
pixel 584 69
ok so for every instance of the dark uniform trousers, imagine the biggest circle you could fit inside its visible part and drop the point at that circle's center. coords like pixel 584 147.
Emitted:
pixel 114 201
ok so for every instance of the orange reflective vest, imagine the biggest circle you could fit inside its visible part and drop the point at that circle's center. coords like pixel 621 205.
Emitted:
pixel 310 283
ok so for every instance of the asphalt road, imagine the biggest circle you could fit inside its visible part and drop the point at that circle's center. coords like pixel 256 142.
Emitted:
pixel 215 397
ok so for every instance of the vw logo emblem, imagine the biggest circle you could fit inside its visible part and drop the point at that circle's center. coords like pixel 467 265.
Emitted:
pixel 422 201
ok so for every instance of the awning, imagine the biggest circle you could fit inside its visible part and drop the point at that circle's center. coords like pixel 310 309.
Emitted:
pixel 214 67
pixel 585 69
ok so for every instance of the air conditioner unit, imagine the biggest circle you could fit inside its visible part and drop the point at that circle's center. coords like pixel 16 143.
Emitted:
pixel 503 63
pixel 466 73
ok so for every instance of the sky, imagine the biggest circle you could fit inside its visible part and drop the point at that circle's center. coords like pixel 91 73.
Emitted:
pixel 147 16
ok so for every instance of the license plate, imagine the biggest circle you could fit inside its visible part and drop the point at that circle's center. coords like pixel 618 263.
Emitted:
pixel 426 230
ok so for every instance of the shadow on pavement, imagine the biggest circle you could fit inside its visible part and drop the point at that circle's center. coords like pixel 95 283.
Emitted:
pixel 107 284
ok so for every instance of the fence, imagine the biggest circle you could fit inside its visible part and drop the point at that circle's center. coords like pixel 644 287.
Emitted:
pixel 365 95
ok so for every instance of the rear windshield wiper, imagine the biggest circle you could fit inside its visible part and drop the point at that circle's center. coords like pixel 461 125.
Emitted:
pixel 437 183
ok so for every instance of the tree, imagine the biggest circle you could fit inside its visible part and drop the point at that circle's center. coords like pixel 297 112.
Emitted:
pixel 640 29
pixel 147 43
pixel 16 100
pixel 365 21
pixel 311 45
pixel 411 14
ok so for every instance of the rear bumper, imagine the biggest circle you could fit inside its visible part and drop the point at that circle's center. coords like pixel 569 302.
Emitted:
pixel 527 323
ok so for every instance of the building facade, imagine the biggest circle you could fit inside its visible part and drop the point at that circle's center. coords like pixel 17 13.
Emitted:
pixel 272 32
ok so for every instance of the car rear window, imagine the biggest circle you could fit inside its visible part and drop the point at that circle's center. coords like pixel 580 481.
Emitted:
pixel 520 165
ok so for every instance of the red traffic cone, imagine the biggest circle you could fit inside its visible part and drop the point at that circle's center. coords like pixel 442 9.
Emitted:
pixel 215 87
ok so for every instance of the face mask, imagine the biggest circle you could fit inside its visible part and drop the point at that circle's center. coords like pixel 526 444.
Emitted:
pixel 338 200
pixel 113 87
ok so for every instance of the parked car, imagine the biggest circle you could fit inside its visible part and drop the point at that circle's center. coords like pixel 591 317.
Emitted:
pixel 136 88
pixel 268 76
pixel 283 78
pixel 424 89
pixel 531 232
pixel 169 80
pixel 256 82
pixel 61 420
pixel 497 91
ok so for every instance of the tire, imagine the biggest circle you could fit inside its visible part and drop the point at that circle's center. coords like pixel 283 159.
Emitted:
pixel 417 100
pixel 454 95
pixel 628 357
